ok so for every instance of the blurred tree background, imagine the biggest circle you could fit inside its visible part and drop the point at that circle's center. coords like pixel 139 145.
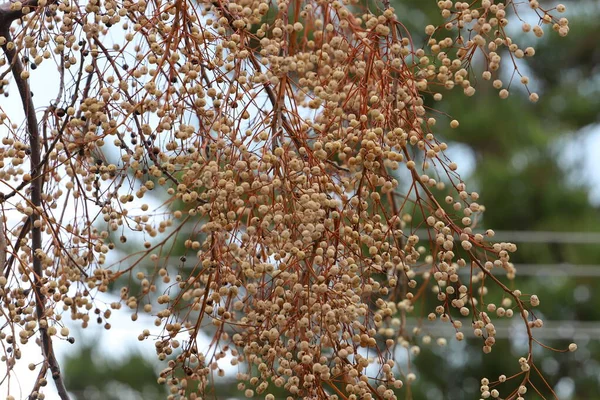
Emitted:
pixel 516 151
pixel 95 376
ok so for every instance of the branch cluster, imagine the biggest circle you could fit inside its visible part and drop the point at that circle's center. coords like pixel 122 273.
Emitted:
pixel 295 138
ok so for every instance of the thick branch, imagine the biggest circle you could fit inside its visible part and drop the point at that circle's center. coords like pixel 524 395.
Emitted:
pixel 36 200
pixel 8 13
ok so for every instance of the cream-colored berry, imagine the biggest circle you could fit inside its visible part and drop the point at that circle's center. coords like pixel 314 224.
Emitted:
pixel 534 300
pixel 572 347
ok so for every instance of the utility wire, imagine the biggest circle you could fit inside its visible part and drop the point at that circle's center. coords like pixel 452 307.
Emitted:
pixel 508 329
pixel 534 236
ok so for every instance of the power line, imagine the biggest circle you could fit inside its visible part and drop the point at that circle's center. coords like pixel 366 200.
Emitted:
pixel 558 270
pixel 507 329
pixel 534 236
pixel 564 270
pixel 548 237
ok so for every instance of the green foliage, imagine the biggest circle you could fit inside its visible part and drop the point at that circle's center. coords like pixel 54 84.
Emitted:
pixel 92 375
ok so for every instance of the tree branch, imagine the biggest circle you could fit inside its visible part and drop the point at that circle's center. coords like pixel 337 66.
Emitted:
pixel 36 196
pixel 8 13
